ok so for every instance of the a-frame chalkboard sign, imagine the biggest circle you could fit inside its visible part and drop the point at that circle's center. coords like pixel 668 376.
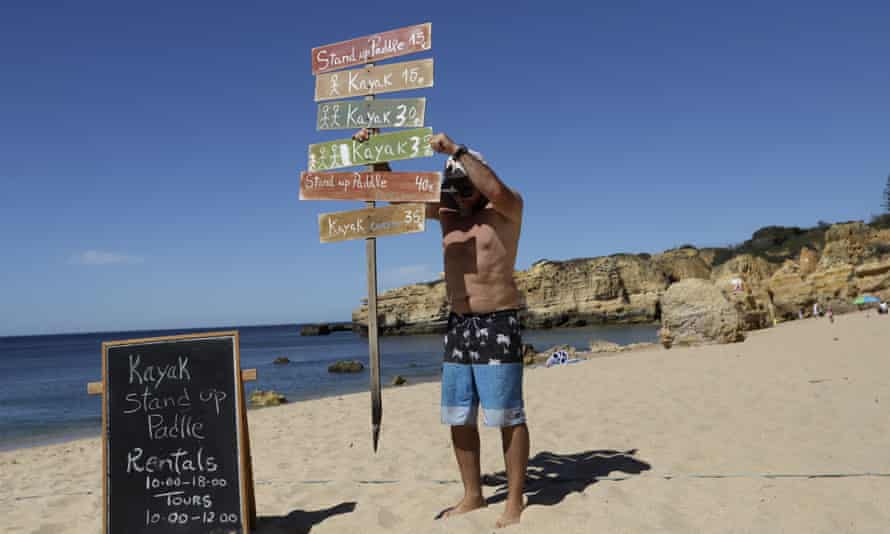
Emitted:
pixel 176 450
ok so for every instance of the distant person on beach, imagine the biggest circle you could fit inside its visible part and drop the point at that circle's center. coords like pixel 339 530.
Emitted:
pixel 816 309
pixel 800 313
pixel 830 315
pixel 481 219
pixel 883 308
pixel 736 285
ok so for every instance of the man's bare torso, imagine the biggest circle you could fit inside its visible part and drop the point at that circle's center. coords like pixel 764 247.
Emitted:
pixel 480 255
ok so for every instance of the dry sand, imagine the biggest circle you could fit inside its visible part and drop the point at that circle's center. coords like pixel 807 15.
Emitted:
pixel 786 432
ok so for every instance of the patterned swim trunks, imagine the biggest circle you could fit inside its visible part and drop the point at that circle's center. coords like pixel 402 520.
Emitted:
pixel 483 365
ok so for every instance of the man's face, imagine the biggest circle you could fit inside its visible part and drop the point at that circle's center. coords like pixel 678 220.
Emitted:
pixel 467 196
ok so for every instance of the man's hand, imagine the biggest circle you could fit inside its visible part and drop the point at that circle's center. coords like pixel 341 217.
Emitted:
pixel 364 134
pixel 442 144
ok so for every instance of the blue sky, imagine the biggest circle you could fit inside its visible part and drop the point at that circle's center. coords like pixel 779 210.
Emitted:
pixel 150 152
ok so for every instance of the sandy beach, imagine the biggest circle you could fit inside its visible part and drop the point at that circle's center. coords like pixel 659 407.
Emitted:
pixel 786 432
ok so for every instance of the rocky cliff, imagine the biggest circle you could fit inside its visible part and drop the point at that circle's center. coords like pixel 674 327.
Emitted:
pixel 769 277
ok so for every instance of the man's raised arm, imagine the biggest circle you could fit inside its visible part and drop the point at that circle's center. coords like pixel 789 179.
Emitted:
pixel 505 200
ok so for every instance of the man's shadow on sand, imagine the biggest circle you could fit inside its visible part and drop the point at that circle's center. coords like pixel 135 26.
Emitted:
pixel 299 521
pixel 551 477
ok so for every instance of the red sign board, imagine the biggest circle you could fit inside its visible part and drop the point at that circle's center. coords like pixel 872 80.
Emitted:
pixel 391 186
pixel 372 48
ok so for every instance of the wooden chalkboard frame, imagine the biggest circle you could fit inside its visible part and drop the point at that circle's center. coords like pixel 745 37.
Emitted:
pixel 247 499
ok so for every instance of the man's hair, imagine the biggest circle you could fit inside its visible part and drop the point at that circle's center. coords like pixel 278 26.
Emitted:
pixel 454 170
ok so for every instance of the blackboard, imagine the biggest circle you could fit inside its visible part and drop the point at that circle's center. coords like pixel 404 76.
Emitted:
pixel 176 454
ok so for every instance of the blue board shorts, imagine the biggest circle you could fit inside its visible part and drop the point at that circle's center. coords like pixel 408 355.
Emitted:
pixel 483 365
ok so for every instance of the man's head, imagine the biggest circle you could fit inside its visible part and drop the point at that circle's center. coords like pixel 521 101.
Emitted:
pixel 457 184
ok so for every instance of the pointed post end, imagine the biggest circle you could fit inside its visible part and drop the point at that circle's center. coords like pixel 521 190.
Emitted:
pixel 376 437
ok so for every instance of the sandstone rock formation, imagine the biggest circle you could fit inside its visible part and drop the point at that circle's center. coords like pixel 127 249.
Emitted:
pixel 696 311
pixel 854 260
pixel 683 263
pixel 414 309
pixel 615 289
pixel 782 270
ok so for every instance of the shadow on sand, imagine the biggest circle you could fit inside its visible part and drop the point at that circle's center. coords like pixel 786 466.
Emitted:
pixel 551 477
pixel 299 521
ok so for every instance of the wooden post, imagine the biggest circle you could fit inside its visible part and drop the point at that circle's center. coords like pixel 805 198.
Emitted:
pixel 373 342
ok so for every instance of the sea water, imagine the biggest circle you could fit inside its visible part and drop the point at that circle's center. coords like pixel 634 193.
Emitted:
pixel 43 379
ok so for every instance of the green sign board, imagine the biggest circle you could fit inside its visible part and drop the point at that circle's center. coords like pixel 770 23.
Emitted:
pixel 406 144
pixel 381 113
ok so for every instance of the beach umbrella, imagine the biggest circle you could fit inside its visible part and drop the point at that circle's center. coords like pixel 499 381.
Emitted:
pixel 866 299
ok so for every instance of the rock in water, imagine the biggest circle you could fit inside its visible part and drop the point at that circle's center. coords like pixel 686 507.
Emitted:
pixel 315 330
pixel 281 360
pixel 266 398
pixel 695 311
pixel 346 366
pixel 666 337
pixel 399 380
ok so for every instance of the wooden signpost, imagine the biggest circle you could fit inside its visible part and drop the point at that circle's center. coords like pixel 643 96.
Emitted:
pixel 372 48
pixel 392 186
pixel 371 185
pixel 175 447
pixel 356 114
pixel 371 222
pixel 374 80
pixel 404 144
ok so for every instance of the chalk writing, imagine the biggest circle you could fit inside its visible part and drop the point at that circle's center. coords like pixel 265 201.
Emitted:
pixel 374 80
pixel 372 222
pixel 405 144
pixel 371 185
pixel 171 459
pixel 380 113
pixel 371 48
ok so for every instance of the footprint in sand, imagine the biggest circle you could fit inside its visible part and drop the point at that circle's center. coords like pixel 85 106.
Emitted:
pixel 387 519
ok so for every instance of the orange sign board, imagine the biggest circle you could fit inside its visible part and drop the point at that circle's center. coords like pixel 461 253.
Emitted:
pixel 374 80
pixel 371 222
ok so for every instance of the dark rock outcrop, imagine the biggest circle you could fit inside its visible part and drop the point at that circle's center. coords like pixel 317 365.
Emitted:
pixel 321 329
pixel 260 398
pixel 346 366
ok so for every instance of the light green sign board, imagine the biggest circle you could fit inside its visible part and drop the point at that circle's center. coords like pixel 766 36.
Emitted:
pixel 381 113
pixel 406 144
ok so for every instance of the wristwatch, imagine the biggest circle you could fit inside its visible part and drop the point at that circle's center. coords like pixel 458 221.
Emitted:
pixel 461 150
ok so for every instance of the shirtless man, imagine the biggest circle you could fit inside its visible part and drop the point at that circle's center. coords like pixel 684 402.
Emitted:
pixel 481 219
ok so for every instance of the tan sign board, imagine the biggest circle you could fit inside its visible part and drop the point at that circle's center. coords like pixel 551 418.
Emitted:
pixel 403 144
pixel 380 113
pixel 392 186
pixel 371 222
pixel 371 48
pixel 374 80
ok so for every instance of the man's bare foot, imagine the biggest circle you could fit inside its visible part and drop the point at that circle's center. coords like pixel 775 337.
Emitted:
pixel 467 504
pixel 508 518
